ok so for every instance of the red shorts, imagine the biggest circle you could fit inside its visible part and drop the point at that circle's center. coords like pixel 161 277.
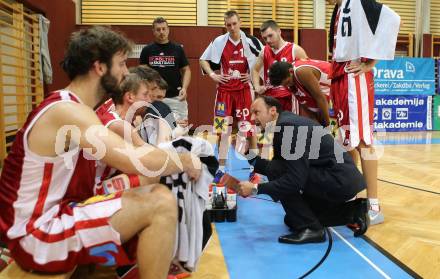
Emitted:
pixel 233 106
pixel 353 103
pixel 79 234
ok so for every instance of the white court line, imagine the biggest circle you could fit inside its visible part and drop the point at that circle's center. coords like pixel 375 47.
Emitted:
pixel 362 255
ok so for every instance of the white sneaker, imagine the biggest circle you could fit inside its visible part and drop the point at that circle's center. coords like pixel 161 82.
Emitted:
pixel 376 217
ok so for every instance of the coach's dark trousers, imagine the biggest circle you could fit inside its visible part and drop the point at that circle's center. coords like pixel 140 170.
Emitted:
pixel 323 201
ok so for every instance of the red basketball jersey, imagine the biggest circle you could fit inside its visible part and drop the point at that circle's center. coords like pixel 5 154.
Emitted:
pixel 33 188
pixel 270 56
pixel 234 63
pixel 107 114
pixel 302 94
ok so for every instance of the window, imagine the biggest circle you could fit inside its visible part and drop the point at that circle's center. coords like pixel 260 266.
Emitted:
pixel 20 81
pixel 281 10
pixel 133 12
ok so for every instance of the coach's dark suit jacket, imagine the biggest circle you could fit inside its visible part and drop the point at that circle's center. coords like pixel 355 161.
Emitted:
pixel 317 172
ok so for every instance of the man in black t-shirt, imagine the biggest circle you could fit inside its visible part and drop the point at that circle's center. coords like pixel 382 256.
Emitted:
pixel 169 60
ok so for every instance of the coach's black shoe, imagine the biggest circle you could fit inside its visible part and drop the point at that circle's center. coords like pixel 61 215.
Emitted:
pixel 304 236
pixel 360 219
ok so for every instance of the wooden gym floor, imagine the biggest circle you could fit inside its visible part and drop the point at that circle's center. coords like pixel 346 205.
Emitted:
pixel 409 191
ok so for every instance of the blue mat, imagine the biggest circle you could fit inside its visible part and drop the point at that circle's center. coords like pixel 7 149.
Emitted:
pixel 251 249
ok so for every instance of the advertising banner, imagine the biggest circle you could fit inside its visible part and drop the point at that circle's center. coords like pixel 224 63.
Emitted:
pixel 402 113
pixel 438 76
pixel 405 76
pixel 436 113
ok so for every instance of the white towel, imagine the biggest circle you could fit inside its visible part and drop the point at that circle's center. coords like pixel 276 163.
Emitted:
pixel 251 46
pixel 366 29
pixel 191 199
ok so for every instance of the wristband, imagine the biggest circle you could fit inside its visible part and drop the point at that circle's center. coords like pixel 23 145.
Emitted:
pixel 114 184
pixel 134 180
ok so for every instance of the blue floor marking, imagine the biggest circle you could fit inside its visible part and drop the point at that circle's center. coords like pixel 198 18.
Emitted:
pixel 251 249
pixel 344 262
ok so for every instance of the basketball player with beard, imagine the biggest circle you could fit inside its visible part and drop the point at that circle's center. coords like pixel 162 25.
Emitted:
pixel 276 49
pixel 50 219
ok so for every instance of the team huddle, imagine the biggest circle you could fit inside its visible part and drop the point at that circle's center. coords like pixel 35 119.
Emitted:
pixel 104 172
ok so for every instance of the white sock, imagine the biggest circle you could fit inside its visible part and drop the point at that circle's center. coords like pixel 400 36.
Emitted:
pixel 222 168
pixel 374 204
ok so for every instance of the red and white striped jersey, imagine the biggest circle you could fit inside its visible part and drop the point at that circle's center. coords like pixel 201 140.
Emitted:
pixel 285 54
pixel 108 104
pixel 35 189
pixel 107 114
pixel 302 94
pixel 234 63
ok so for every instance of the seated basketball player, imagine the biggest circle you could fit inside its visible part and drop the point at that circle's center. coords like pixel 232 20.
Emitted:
pixel 159 124
pixel 135 99
pixel 119 114
pixel 311 175
pixel 50 219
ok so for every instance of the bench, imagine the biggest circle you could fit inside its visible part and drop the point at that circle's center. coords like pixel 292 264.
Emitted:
pixel 13 271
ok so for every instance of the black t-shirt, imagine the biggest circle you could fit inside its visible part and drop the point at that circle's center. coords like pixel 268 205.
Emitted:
pixel 167 59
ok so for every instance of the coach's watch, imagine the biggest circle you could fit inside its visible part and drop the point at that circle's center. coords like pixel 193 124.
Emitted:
pixel 255 190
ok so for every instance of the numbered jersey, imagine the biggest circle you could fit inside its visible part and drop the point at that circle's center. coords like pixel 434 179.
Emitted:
pixel 233 64
pixel 338 68
pixel 35 188
pixel 302 94
pixel 285 54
